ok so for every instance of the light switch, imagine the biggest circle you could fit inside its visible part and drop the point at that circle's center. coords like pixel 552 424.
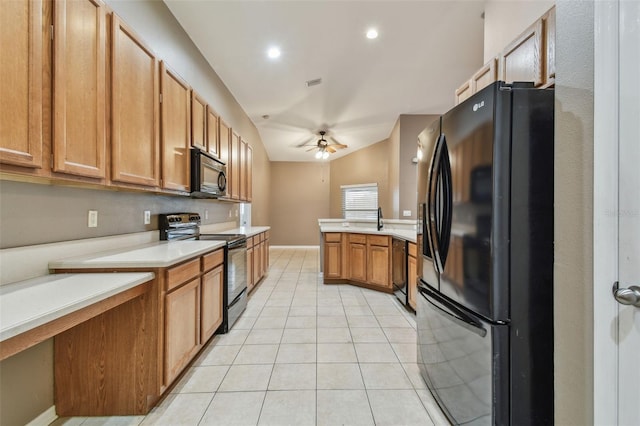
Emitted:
pixel 92 220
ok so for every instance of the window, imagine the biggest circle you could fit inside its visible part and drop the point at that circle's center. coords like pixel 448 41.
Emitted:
pixel 360 201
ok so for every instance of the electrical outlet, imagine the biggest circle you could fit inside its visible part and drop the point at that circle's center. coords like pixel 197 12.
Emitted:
pixel 206 214
pixel 236 212
pixel 406 213
pixel 92 220
pixel 230 213
pixel 147 217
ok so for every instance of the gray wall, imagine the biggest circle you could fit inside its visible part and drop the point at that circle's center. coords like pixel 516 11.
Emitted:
pixel 573 266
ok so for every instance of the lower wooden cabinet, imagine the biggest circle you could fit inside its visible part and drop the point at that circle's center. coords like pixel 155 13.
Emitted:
pixel 250 254
pixel 358 259
pixel 211 306
pixel 412 275
pixel 182 328
pixel 257 258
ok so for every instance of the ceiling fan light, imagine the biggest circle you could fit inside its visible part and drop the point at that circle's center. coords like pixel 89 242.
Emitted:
pixel 319 155
pixel 325 155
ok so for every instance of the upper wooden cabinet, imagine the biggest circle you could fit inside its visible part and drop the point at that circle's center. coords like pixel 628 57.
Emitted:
pixel 21 83
pixel 243 170
pixel 176 129
pixel 224 143
pixel 485 75
pixel 79 101
pixel 213 132
pixel 464 91
pixel 522 60
pixel 234 166
pixel 135 89
pixel 249 172
pixel 550 38
pixel 198 121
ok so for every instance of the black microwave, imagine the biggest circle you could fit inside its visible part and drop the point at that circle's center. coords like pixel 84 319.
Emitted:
pixel 208 175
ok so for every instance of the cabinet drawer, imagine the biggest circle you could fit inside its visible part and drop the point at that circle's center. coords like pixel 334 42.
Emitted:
pixel 358 238
pixel 379 240
pixel 412 250
pixel 212 260
pixel 182 273
pixel 256 240
pixel 332 237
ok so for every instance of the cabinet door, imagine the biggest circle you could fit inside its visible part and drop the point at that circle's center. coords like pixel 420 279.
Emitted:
pixel 485 75
pixel 550 44
pixel 79 101
pixel 234 162
pixel 249 172
pixel 463 92
pixel 332 260
pixel 250 255
pixel 211 306
pixel 198 121
pixel 135 90
pixel 357 262
pixel 213 135
pixel 378 270
pixel 265 255
pixel 522 60
pixel 176 130
pixel 412 275
pixel 257 263
pixel 225 144
pixel 21 83
pixel 182 328
pixel 243 170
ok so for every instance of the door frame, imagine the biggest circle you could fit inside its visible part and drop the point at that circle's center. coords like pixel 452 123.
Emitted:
pixel 605 211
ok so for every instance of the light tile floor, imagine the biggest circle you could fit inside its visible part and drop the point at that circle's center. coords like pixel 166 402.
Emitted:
pixel 303 353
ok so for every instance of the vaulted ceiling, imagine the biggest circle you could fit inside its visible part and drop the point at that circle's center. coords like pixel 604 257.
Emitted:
pixel 424 51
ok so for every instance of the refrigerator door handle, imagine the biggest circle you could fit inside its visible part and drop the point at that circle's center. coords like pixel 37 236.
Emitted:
pixel 447 208
pixel 432 212
pixel 454 314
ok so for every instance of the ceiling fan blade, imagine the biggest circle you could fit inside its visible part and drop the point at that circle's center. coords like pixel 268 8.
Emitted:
pixel 306 142
pixel 331 149
pixel 336 144
pixel 312 148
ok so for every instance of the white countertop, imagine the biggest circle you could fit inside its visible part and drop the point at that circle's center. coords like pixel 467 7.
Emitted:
pixel 398 233
pixel 160 254
pixel 249 231
pixel 25 305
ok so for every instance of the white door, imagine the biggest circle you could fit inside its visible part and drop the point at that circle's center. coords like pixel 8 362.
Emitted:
pixel 617 212
pixel 629 213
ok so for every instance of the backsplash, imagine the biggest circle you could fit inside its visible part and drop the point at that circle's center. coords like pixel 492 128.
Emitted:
pixel 39 214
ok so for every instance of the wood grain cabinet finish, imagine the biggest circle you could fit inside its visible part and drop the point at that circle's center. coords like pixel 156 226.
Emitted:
pixel 357 267
pixel 211 304
pixel 412 275
pixel 250 255
pixel 550 44
pixel 79 88
pixel 522 60
pixel 135 110
pixel 243 170
pixel 182 328
pixel 234 166
pixel 249 172
pixel 176 129
pixel 378 261
pixel 198 121
pixel 485 75
pixel 213 132
pixel 21 83
pixel 464 91
pixel 224 143
pixel 257 261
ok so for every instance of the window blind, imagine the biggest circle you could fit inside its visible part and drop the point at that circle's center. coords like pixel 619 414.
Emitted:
pixel 360 201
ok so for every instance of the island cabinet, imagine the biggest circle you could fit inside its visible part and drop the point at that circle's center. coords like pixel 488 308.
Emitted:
pixel 79 88
pixel 135 111
pixel 412 275
pixel 21 82
pixel 98 373
pixel 333 255
pixel 361 259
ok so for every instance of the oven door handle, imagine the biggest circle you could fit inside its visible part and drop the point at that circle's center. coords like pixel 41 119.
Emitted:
pixel 454 314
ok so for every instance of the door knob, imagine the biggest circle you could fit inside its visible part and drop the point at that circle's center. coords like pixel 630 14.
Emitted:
pixel 627 296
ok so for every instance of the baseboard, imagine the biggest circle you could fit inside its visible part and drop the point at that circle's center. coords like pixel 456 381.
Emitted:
pixel 45 418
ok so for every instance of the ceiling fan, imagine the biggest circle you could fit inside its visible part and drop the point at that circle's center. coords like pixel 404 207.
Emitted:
pixel 324 147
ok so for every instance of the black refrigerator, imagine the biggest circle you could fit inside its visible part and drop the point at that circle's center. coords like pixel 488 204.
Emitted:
pixel 485 225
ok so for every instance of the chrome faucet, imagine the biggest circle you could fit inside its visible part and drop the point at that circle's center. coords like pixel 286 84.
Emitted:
pixel 379 218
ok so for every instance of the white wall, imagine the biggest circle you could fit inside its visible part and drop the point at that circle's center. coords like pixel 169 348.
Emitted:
pixel 504 20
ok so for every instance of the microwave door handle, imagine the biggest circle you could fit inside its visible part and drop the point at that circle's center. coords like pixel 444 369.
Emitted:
pixel 222 181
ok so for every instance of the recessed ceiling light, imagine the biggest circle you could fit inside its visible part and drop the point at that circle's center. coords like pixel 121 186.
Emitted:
pixel 273 52
pixel 372 33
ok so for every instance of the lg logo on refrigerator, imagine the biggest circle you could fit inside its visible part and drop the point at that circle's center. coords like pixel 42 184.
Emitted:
pixel 478 106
